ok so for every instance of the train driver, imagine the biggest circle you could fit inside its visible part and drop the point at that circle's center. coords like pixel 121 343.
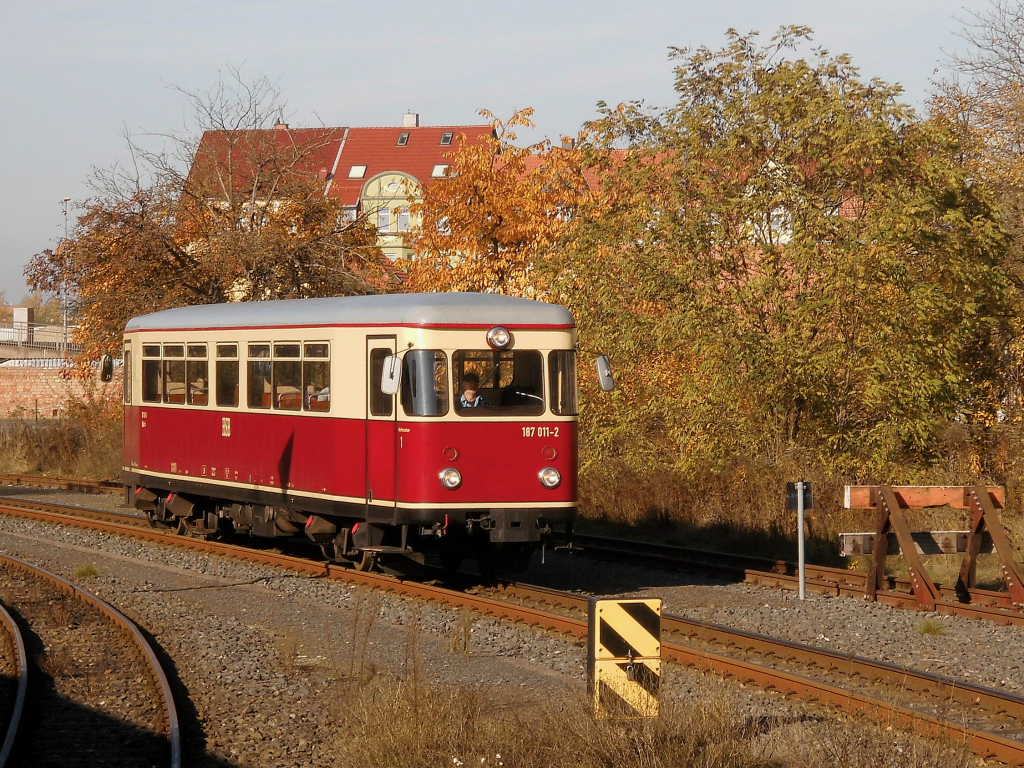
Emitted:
pixel 471 397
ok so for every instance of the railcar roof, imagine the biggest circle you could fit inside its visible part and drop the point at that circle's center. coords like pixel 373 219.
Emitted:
pixel 411 309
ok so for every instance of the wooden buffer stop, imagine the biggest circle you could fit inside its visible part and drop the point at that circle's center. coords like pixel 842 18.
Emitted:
pixel 986 534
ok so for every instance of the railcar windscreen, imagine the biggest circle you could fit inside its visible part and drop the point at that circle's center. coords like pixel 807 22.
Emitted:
pixel 562 382
pixel 498 383
pixel 425 382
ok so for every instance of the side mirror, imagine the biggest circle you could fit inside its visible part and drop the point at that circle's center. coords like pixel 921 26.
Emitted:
pixel 391 375
pixel 604 374
pixel 106 368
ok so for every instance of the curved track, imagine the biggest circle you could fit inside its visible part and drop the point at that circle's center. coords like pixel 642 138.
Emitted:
pixel 125 627
pixel 981 717
pixel 18 704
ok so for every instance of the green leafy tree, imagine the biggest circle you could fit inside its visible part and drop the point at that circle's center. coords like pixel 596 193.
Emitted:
pixel 787 262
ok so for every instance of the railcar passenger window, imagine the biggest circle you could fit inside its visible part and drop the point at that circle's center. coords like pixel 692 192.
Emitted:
pixel 227 375
pixel 197 374
pixel 151 374
pixel 287 377
pixel 174 374
pixel 425 382
pixel 380 404
pixel 562 382
pixel 506 383
pixel 316 376
pixel 259 375
pixel 126 375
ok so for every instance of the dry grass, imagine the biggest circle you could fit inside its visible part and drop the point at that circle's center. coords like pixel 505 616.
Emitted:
pixel 85 442
pixel 390 724
pixel 742 509
pixel 85 571
pixel 931 627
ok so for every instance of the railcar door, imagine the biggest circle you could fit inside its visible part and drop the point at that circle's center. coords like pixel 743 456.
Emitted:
pixel 381 435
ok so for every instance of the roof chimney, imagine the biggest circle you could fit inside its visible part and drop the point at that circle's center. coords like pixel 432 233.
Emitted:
pixel 281 126
pixel 411 120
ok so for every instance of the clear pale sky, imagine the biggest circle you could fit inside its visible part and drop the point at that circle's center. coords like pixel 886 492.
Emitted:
pixel 77 72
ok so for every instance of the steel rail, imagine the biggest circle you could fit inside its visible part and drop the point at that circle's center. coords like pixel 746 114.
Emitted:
pixel 18 644
pixel 82 484
pixel 155 669
pixel 821 580
pixel 985 743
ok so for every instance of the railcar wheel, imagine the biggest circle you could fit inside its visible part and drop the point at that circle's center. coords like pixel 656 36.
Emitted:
pixel 366 562
pixel 194 529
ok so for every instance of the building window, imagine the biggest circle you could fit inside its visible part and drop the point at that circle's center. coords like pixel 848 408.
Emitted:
pixel 357 171
pixel 403 138
pixel 391 256
pixel 439 172
pixel 383 219
pixel 403 219
pixel 446 138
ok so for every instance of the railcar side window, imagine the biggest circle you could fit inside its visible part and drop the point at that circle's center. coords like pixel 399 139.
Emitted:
pixel 126 378
pixel 151 381
pixel 316 376
pixel 259 376
pixel 425 382
pixel 380 404
pixel 174 374
pixel 227 375
pixel 506 383
pixel 562 382
pixel 287 377
pixel 197 374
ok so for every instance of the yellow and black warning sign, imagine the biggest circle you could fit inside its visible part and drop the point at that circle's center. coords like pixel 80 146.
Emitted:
pixel 624 662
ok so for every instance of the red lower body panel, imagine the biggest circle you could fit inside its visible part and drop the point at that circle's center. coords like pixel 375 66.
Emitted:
pixel 347 458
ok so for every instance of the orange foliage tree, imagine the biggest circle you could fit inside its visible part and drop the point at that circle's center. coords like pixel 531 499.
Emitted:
pixel 500 208
pixel 238 216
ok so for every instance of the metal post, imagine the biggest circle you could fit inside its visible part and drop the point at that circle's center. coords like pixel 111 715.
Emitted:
pixel 800 534
pixel 63 284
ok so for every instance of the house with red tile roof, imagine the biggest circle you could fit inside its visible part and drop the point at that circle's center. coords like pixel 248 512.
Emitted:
pixel 375 172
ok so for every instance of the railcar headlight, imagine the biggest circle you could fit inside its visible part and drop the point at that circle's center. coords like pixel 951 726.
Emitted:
pixel 450 478
pixel 549 477
pixel 499 337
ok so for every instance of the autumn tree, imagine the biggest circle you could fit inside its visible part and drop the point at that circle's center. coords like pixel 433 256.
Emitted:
pixel 787 262
pixel 500 208
pixel 231 212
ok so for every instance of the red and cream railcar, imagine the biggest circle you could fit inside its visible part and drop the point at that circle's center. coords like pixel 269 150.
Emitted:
pixel 270 418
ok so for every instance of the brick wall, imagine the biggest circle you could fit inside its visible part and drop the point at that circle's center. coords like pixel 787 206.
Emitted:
pixel 22 390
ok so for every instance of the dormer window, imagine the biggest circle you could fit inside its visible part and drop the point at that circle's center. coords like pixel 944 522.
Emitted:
pixel 439 172
pixel 446 138
pixel 357 171
pixel 403 138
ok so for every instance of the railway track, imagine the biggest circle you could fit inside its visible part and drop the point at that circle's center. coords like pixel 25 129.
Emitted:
pixel 989 721
pixel 94 685
pixel 80 484
pixel 821 580
pixel 984 604
pixel 14 682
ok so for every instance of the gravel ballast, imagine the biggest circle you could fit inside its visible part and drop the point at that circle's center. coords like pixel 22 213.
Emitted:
pixel 264 656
